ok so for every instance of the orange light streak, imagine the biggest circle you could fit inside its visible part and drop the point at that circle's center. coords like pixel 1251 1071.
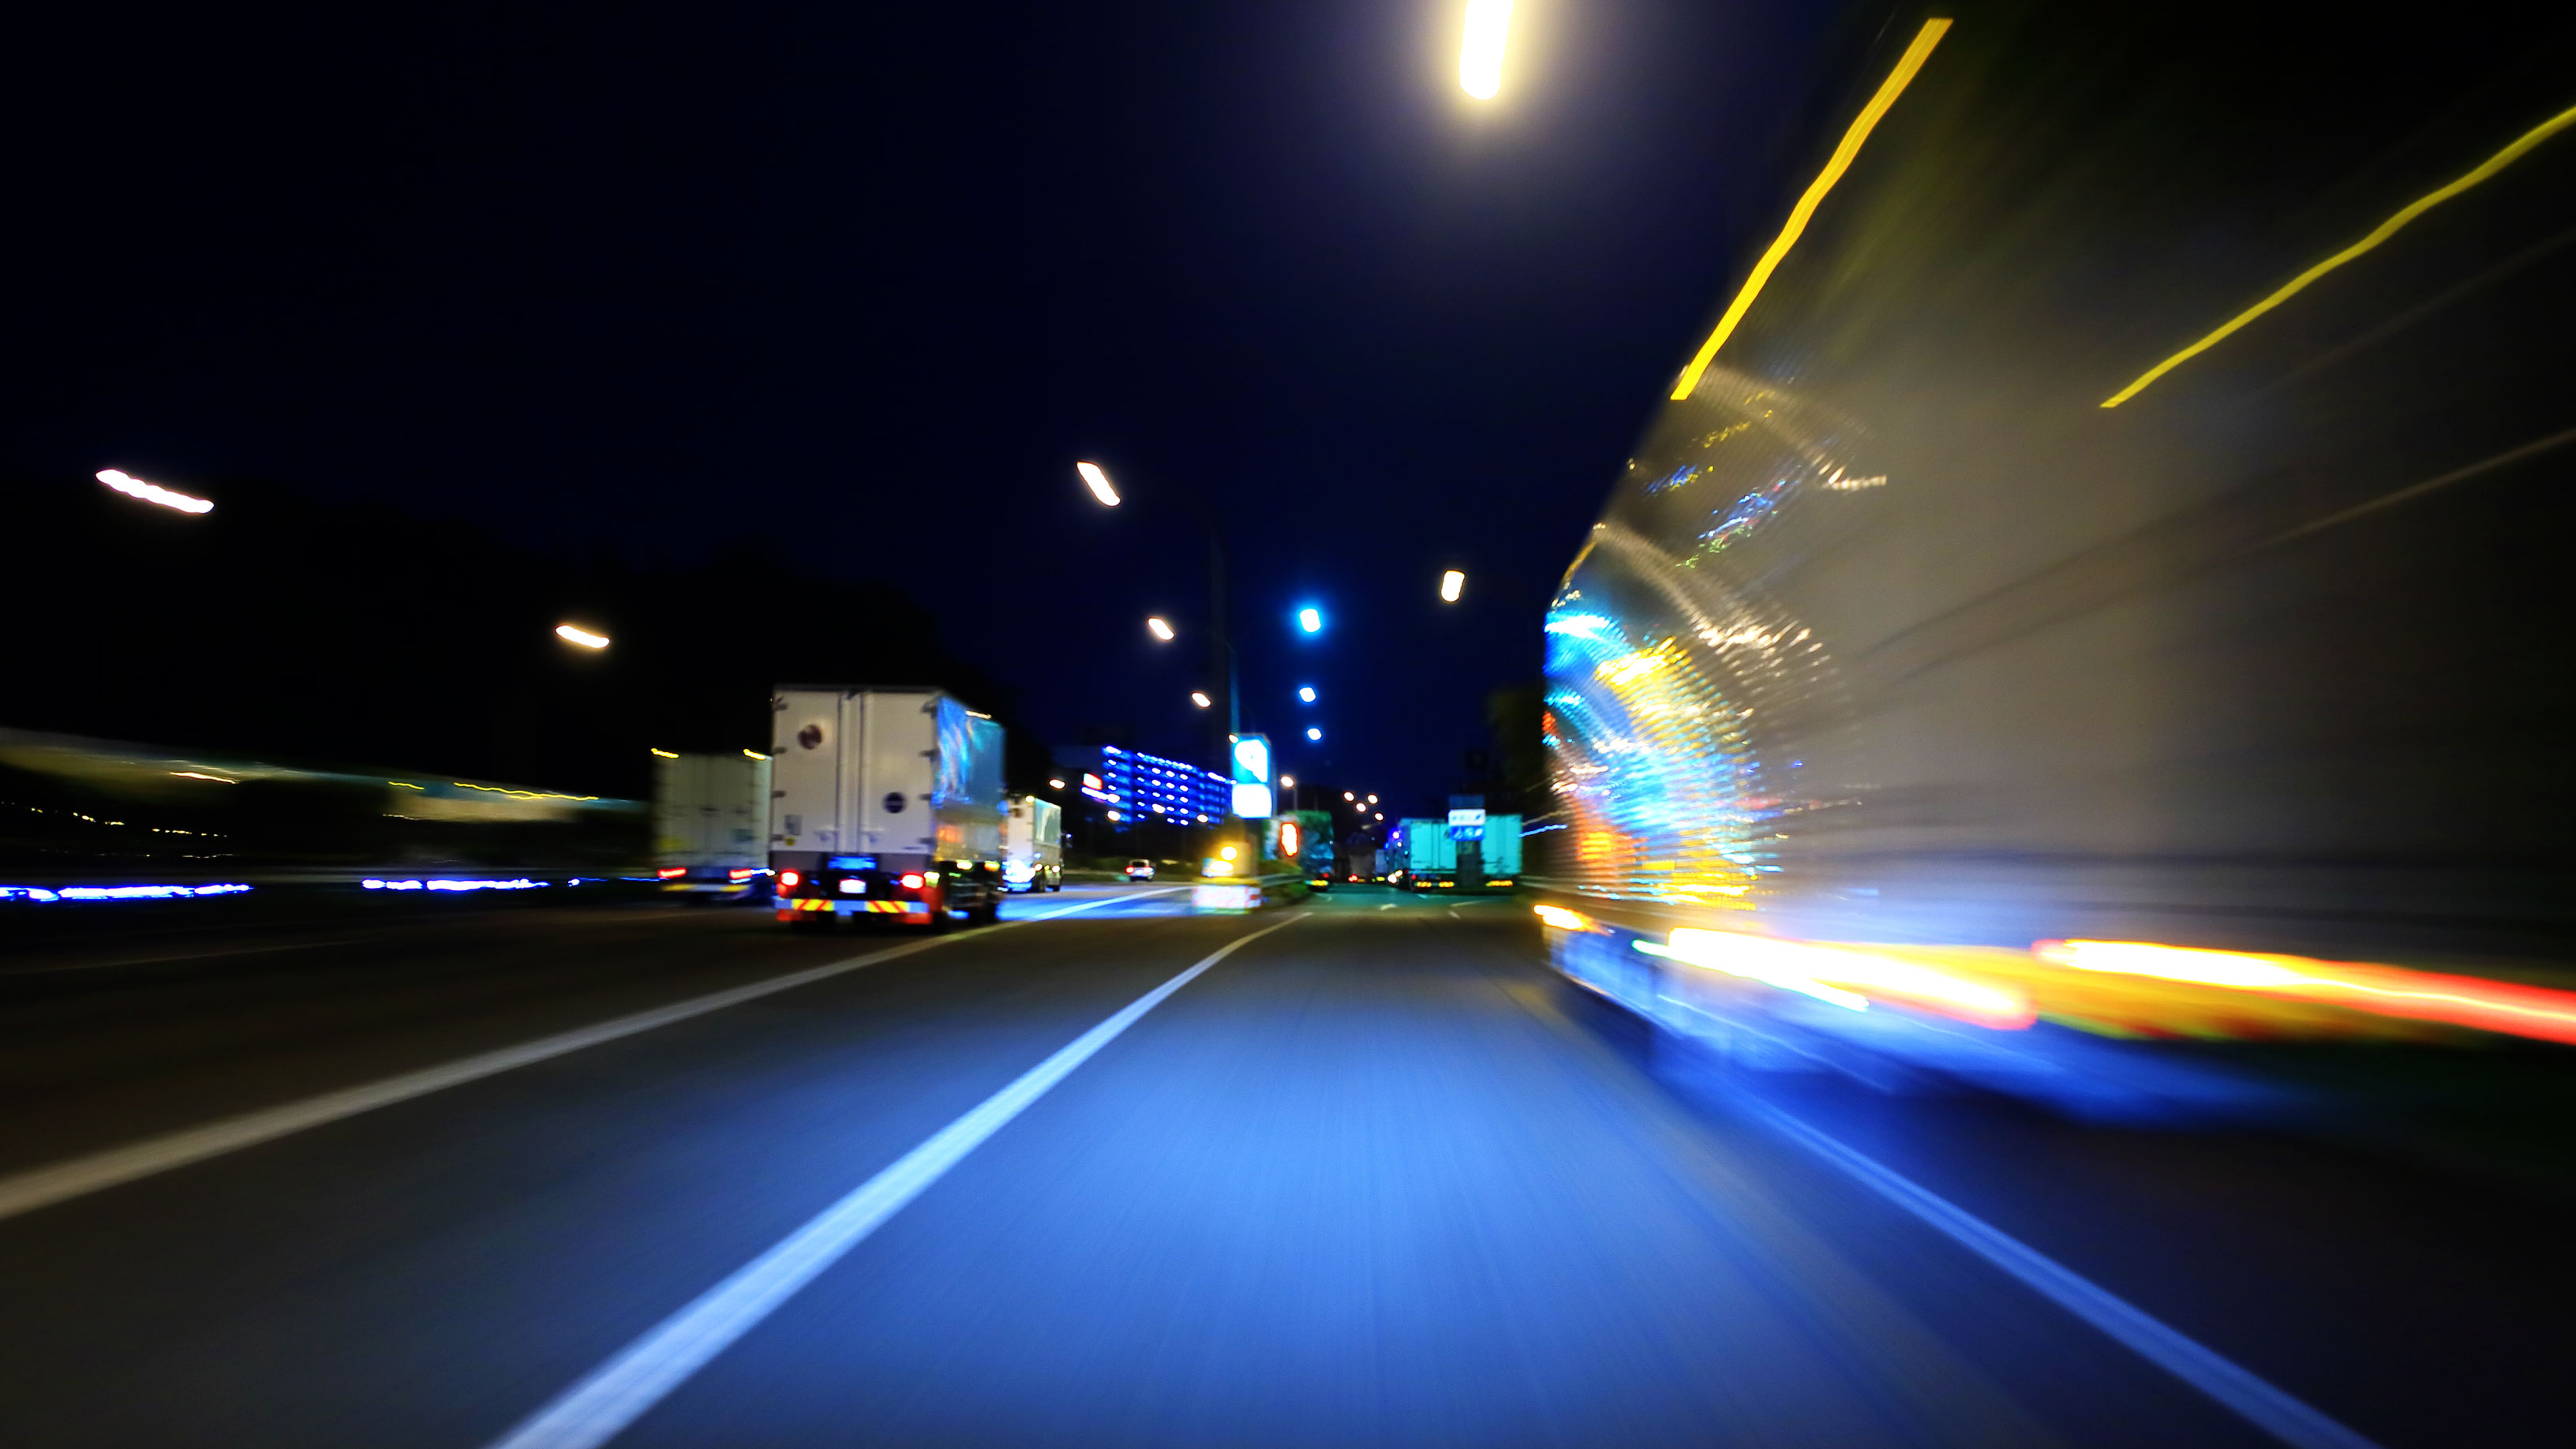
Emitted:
pixel 2537 1012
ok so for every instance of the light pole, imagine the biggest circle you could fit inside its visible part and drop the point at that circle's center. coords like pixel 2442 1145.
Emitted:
pixel 1220 644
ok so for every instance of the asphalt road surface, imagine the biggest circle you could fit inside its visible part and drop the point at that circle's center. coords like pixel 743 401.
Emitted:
pixel 1373 1176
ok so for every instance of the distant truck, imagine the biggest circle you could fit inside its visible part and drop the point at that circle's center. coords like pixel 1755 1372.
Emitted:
pixel 883 803
pixel 710 817
pixel 1033 845
pixel 1469 851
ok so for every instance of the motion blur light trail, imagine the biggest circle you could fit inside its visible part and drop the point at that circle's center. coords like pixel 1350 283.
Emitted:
pixel 2386 229
pixel 2154 991
pixel 1867 121
pixel 42 894
pixel 2502 1007
pixel 133 487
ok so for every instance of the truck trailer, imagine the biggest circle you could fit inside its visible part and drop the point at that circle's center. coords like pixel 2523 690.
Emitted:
pixel 1033 845
pixel 883 803
pixel 710 814
pixel 1482 853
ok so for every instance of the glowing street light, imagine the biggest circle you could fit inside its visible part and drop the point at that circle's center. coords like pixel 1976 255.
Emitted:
pixel 133 487
pixel 1314 732
pixel 1306 692
pixel 1347 795
pixel 1311 619
pixel 1372 799
pixel 1160 628
pixel 575 634
pixel 1199 698
pixel 1451 584
pixel 1055 784
pixel 1287 782
pixel 1480 53
pixel 1098 482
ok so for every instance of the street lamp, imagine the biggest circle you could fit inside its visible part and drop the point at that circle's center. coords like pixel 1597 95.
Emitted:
pixel 1311 619
pixel 1160 628
pixel 1480 51
pixel 1314 732
pixel 575 634
pixel 133 487
pixel 1098 482
pixel 1199 698
pixel 1451 584
pixel 1220 645
pixel 1306 692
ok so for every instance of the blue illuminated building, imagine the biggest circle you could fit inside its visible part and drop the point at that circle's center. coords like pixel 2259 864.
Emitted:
pixel 1135 786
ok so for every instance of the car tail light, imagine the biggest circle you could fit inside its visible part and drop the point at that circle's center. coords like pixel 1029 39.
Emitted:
pixel 787 879
pixel 912 882
pixel 743 874
pixel 672 872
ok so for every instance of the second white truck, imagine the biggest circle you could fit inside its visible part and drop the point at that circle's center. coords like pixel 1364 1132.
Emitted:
pixel 710 813
pixel 1033 845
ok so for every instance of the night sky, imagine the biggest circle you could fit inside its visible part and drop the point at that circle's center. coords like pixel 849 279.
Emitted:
pixel 866 281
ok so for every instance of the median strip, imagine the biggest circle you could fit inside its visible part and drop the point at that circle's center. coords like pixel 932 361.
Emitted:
pixel 41 1187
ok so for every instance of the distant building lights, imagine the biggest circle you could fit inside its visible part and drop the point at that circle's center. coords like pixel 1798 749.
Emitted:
pixel 133 487
pixel 575 634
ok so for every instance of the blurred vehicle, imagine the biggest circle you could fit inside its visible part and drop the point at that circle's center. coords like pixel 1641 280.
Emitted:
pixel 1316 855
pixel 2082 594
pixel 884 802
pixel 101 811
pixel 1033 845
pixel 1468 851
pixel 710 817
pixel 1140 870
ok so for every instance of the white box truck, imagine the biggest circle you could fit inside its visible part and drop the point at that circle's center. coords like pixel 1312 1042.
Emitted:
pixel 883 803
pixel 710 824
pixel 1033 845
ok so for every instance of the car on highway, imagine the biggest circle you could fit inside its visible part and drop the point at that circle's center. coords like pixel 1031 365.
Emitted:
pixel 1140 870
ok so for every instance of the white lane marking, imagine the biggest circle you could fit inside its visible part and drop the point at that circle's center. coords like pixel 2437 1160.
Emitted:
pixel 627 1386
pixel 1388 906
pixel 2257 1401
pixel 44 1186
pixel 181 956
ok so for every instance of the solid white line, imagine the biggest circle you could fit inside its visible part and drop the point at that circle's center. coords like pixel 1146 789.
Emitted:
pixel 2267 1408
pixel 44 1186
pixel 622 1390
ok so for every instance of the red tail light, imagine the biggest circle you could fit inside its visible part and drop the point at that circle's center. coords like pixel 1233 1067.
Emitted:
pixel 743 874
pixel 912 882
pixel 787 880
pixel 672 872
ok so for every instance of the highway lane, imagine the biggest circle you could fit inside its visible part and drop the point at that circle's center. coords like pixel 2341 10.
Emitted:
pixel 1376 1178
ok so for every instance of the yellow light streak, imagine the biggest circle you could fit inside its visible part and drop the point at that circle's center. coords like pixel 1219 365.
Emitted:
pixel 2381 233
pixel 1888 90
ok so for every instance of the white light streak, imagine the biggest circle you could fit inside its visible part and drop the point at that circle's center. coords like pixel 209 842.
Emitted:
pixel 133 487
